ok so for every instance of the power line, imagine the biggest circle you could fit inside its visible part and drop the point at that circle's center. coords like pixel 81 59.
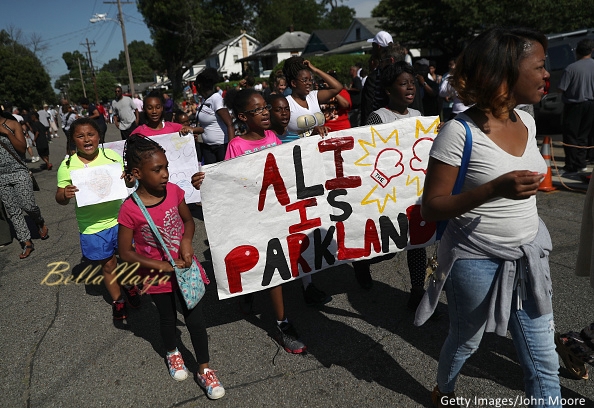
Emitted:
pixel 113 30
pixel 65 35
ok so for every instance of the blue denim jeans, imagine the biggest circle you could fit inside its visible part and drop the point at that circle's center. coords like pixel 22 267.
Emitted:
pixel 468 289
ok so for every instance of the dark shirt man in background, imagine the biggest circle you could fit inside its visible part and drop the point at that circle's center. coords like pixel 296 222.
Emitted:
pixel 577 85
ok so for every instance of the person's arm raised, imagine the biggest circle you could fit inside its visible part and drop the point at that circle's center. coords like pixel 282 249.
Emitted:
pixel 334 85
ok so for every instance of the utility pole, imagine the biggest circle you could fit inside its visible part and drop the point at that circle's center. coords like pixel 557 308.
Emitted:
pixel 92 70
pixel 121 21
pixel 81 78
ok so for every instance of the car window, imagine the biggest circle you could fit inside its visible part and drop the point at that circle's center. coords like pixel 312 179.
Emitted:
pixel 560 56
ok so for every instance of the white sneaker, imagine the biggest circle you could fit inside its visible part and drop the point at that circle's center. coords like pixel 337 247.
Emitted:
pixel 211 384
pixel 177 368
pixel 34 159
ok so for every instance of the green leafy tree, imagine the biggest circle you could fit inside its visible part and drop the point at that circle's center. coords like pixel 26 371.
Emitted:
pixel 432 26
pixel 448 25
pixel 106 84
pixel 145 61
pixel 25 82
pixel 339 17
pixel 70 84
pixel 336 15
pixel 185 31
pixel 304 15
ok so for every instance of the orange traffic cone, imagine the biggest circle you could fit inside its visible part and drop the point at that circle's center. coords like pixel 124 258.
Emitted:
pixel 545 151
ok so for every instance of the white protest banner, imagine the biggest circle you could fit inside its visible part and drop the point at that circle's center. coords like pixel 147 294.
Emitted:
pixel 298 208
pixel 183 161
pixel 99 184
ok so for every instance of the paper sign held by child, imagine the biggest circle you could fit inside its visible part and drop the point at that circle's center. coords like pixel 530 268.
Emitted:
pixel 301 207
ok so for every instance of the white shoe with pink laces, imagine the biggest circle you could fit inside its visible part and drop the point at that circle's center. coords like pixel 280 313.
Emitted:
pixel 177 368
pixel 211 384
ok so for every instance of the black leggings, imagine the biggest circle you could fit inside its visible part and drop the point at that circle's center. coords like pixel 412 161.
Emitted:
pixel 415 258
pixel 165 303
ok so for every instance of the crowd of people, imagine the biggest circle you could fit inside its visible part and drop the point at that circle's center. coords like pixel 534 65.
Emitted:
pixel 493 254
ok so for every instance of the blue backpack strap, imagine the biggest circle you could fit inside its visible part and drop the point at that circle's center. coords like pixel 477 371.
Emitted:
pixel 441 225
pixel 153 227
pixel 465 159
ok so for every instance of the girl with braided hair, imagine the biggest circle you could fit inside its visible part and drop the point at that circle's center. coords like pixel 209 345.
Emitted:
pixel 306 115
pixel 97 224
pixel 147 163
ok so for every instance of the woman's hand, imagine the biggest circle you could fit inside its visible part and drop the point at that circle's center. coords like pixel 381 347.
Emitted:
pixel 438 203
pixel 518 184
pixel 197 179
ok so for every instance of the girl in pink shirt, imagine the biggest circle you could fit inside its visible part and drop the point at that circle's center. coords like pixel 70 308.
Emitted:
pixel 146 161
pixel 155 119
pixel 249 107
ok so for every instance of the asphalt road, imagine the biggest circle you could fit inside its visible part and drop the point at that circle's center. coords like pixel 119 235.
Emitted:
pixel 61 349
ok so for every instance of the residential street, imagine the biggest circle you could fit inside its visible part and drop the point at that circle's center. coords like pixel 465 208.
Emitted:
pixel 61 349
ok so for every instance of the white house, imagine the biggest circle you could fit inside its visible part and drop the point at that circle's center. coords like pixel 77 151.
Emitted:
pixel 191 73
pixel 224 57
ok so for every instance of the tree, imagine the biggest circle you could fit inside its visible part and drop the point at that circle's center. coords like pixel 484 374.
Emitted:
pixel 339 17
pixel 25 82
pixel 448 25
pixel 106 84
pixel 432 27
pixel 144 59
pixel 71 59
pixel 304 15
pixel 70 83
pixel 185 31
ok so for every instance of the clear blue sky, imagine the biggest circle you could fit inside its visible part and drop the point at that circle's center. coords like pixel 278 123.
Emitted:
pixel 64 26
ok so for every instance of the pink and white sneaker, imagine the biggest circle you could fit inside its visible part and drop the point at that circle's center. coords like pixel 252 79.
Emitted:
pixel 177 368
pixel 211 384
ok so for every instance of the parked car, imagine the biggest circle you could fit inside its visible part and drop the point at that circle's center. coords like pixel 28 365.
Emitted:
pixel 560 53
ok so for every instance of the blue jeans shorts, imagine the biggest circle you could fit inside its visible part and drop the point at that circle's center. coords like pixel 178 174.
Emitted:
pixel 101 245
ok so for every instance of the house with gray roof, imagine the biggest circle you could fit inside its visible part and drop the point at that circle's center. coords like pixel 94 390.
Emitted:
pixel 321 41
pixel 355 39
pixel 289 44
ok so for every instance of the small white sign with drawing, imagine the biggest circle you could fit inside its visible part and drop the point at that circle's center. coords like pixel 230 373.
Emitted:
pixel 99 184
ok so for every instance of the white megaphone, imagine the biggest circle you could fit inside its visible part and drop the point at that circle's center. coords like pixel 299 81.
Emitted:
pixel 306 123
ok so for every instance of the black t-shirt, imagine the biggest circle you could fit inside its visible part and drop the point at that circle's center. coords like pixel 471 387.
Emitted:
pixel 41 141
pixel 100 120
